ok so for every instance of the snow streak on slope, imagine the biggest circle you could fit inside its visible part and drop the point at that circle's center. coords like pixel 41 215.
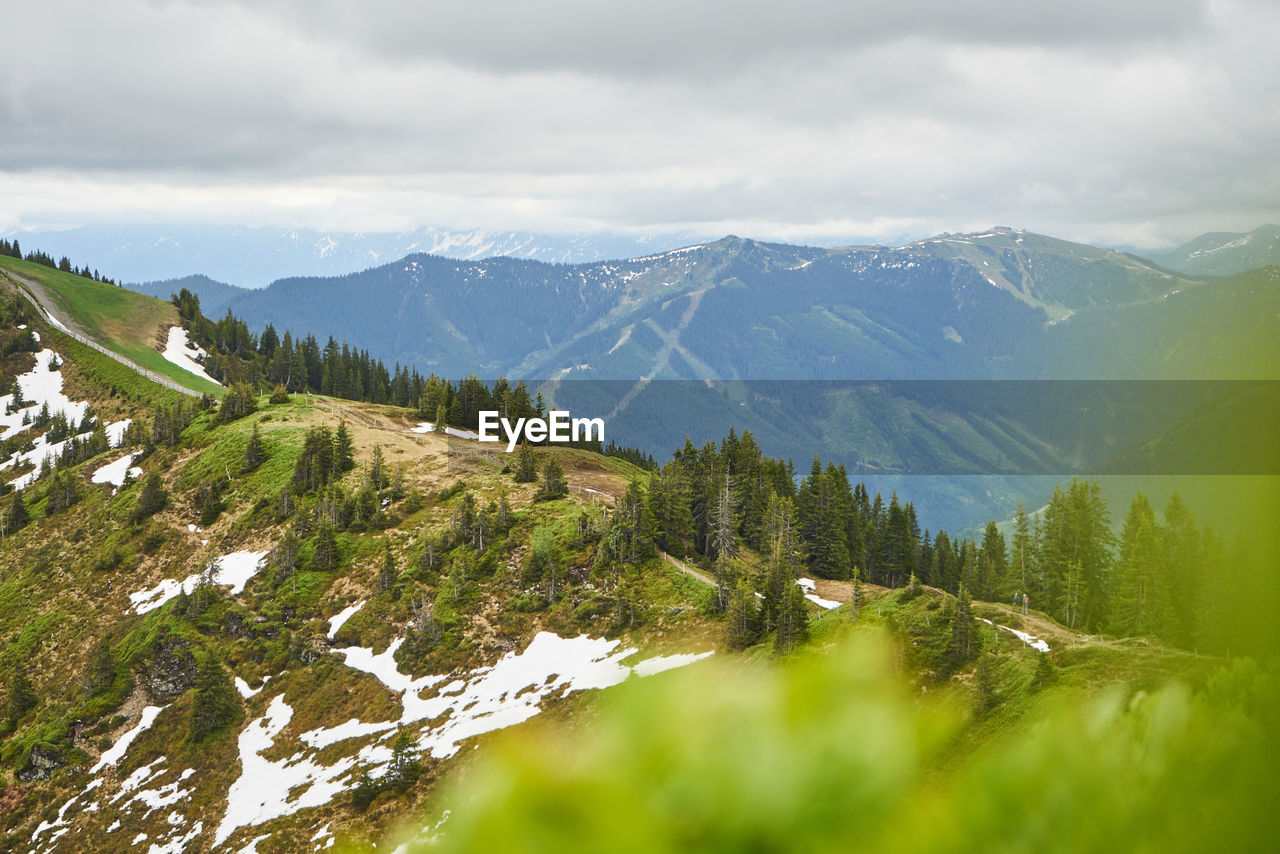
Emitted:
pixel 231 570
pixel 484 700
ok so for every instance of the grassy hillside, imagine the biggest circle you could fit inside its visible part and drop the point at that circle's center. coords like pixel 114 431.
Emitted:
pixel 124 321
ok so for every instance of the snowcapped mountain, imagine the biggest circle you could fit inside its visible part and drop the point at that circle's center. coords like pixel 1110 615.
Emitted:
pixel 253 257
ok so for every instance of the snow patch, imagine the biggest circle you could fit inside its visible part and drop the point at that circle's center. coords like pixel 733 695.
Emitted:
pixel 232 570
pixel 1029 640
pixel 337 620
pixel 117 750
pixel 181 352
pixel 115 473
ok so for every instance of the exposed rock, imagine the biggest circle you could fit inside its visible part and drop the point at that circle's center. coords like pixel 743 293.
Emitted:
pixel 41 764
pixel 171 672
pixel 237 626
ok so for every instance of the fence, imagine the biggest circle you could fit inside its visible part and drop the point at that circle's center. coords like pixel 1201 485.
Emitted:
pixel 167 382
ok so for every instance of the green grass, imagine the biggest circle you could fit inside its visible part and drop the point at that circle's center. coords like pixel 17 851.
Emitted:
pixel 124 321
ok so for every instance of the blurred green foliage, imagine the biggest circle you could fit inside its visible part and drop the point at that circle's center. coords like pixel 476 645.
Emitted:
pixel 835 752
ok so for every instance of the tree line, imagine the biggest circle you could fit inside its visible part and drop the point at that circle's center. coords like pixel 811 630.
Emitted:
pixel 13 249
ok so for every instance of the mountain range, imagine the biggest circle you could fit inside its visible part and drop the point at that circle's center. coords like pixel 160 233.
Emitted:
pixel 791 342
pixel 255 256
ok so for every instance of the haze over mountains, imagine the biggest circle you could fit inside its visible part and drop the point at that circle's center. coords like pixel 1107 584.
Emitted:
pixel 796 324
pixel 1222 253
pixel 254 257
pixel 1001 304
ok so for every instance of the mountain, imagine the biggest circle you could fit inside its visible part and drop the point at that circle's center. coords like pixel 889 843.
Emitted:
pixel 252 257
pixel 296 622
pixel 999 304
pixel 768 337
pixel 1223 253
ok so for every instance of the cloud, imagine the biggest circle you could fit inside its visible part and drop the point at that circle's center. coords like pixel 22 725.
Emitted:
pixel 1145 121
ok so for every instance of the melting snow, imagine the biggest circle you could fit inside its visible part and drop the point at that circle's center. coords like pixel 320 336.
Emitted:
pixel 808 585
pixel 428 427
pixel 115 473
pixel 181 352
pixel 245 691
pixel 337 620
pixel 481 701
pixel 233 570
pixel 1029 640
pixel 117 751
pixel 41 385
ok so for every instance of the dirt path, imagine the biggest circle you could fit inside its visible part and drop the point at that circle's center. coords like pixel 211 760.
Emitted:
pixel 688 570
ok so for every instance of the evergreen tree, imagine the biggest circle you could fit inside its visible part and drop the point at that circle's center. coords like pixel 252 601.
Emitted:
pixel 743 616
pixel 1140 602
pixel 344 455
pixel 214 704
pixel 388 575
pixel 152 499
pixel 22 696
pixel 526 465
pixel 378 470
pixel 14 517
pixel 554 483
pixel 326 553
pixel 793 621
pixel 101 673
pixel 254 453
pixel 963 645
pixel 239 401
pixel 992 564
pixel 1022 555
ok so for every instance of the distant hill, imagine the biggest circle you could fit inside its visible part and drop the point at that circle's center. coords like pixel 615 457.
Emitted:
pixel 1222 253
pixel 252 257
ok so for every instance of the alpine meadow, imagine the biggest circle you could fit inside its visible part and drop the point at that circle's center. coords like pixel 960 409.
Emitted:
pixel 579 428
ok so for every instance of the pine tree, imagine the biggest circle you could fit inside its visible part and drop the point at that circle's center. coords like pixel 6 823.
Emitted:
pixel 101 673
pixel 214 704
pixel 526 465
pixel 326 554
pixel 378 469
pixel 22 696
pixel 388 575
pixel 344 455
pixel 15 516
pixel 793 621
pixel 962 646
pixel 254 453
pixel 743 616
pixel 152 499
pixel 1021 558
pixel 554 483
pixel 1140 603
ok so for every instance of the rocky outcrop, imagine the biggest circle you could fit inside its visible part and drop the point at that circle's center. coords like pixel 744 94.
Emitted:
pixel 41 763
pixel 171 672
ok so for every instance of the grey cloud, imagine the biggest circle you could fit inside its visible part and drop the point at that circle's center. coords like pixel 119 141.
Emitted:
pixel 662 37
pixel 1098 117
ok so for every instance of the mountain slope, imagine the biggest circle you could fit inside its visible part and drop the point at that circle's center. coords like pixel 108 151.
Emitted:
pixel 956 306
pixel 1224 253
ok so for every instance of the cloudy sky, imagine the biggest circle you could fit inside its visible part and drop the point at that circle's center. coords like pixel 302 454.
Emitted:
pixel 1141 122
